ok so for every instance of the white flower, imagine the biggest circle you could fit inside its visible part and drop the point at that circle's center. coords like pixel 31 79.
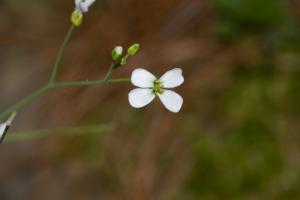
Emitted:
pixel 150 86
pixel 5 126
pixel 83 5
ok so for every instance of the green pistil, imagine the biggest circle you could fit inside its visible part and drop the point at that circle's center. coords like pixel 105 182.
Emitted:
pixel 157 87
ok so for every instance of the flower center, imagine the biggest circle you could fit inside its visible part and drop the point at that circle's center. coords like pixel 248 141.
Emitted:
pixel 157 87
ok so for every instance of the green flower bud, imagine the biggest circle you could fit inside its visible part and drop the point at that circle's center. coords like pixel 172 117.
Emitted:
pixel 133 49
pixel 117 53
pixel 76 17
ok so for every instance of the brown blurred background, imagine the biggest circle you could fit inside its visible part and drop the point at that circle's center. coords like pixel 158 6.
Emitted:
pixel 237 136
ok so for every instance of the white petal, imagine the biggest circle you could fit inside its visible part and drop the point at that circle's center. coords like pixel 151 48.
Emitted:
pixel 171 100
pixel 172 78
pixel 80 7
pixel 142 78
pixel 77 3
pixel 2 129
pixel 140 97
pixel 86 4
pixel 83 8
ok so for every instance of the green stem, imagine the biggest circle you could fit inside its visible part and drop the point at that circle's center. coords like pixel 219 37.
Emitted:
pixel 111 68
pixel 38 134
pixel 44 89
pixel 120 80
pixel 24 101
pixel 52 84
pixel 89 83
pixel 77 83
pixel 60 53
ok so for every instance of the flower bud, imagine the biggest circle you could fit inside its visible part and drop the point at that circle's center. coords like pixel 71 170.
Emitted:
pixel 76 17
pixel 133 49
pixel 117 53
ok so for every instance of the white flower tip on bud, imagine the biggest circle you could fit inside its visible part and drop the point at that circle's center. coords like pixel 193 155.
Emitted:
pixel 119 50
pixel 117 53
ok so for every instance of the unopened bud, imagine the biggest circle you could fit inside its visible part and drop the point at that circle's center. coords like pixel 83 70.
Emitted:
pixel 133 49
pixel 117 53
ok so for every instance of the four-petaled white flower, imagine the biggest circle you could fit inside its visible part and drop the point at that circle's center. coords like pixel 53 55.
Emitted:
pixel 150 86
pixel 83 5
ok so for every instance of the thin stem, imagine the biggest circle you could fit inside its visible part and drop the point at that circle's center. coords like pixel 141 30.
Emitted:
pixel 119 80
pixel 77 83
pixel 24 101
pixel 52 84
pixel 89 83
pixel 38 134
pixel 108 74
pixel 44 89
pixel 60 53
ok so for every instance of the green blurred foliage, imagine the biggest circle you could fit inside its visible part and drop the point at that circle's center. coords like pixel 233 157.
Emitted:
pixel 238 16
pixel 245 159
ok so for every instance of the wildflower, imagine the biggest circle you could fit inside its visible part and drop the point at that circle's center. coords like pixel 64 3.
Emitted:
pixel 150 86
pixel 5 126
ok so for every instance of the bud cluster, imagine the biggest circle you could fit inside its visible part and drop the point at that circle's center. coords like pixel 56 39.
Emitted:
pixel 117 53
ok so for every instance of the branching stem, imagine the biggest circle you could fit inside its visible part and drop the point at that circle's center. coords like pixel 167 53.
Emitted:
pixel 54 85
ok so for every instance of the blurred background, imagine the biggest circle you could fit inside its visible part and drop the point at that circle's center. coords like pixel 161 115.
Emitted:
pixel 237 136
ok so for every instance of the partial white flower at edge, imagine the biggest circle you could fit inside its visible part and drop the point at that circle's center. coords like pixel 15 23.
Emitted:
pixel 150 87
pixel 5 126
pixel 2 130
pixel 83 5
